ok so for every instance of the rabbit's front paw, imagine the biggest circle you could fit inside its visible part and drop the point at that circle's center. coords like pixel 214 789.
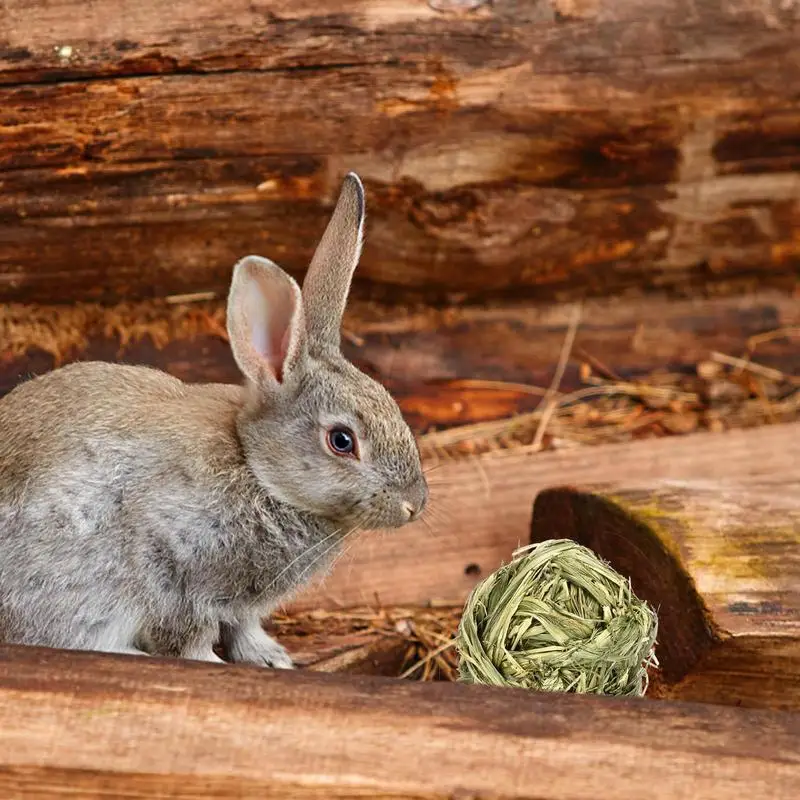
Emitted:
pixel 250 644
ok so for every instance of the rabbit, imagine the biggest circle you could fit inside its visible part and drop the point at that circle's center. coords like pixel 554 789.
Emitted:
pixel 143 515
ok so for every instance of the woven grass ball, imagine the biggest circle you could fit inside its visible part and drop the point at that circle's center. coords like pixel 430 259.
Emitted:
pixel 557 619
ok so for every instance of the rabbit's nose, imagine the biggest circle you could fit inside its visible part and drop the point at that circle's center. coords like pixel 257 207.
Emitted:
pixel 414 507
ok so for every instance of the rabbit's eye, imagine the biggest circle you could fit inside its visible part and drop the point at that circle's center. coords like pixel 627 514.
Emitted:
pixel 342 441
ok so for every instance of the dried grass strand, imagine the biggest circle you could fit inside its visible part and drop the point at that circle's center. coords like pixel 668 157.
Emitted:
pixel 549 401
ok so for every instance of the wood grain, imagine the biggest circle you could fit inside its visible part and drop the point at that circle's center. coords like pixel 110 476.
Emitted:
pixel 550 150
pixel 720 560
pixel 748 671
pixel 481 509
pixel 430 359
pixel 105 726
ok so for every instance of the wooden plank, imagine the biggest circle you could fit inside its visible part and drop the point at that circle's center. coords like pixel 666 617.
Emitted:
pixel 105 726
pixel 745 671
pixel 541 150
pixel 481 508
pixel 720 561
pixel 446 367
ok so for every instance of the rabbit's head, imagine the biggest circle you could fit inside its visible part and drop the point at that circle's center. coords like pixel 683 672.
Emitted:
pixel 317 432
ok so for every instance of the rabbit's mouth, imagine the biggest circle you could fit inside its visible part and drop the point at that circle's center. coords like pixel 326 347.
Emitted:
pixel 388 510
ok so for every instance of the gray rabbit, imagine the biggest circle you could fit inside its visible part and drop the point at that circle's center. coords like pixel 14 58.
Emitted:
pixel 140 514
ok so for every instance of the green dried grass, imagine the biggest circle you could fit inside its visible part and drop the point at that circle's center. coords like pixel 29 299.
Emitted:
pixel 557 619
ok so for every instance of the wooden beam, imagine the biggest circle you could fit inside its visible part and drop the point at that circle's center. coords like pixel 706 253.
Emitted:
pixel 106 726
pixel 564 149
pixel 446 367
pixel 481 509
pixel 720 561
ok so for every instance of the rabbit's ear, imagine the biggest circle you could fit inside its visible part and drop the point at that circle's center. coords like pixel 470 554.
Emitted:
pixel 327 282
pixel 265 321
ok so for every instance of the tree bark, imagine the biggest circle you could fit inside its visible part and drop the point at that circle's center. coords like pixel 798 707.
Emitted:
pixel 556 149
pixel 113 726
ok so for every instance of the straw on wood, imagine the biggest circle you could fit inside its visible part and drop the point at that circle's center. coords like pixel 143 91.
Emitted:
pixel 557 618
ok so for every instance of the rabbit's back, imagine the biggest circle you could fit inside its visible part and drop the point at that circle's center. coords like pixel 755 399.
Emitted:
pixel 100 498
pixel 88 427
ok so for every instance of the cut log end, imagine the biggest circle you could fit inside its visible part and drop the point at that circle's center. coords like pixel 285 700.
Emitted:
pixel 635 549
pixel 718 561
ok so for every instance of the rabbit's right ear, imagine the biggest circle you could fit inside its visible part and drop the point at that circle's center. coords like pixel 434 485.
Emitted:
pixel 265 322
pixel 327 282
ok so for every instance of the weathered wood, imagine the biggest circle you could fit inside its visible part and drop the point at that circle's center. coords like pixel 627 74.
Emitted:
pixel 721 563
pixel 745 671
pixel 545 149
pixel 381 657
pixel 446 367
pixel 348 654
pixel 480 509
pixel 105 726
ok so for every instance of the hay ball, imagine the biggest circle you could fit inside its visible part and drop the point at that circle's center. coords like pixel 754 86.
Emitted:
pixel 557 619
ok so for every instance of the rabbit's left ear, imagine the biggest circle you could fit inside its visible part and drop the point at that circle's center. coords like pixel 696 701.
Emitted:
pixel 265 322
pixel 327 282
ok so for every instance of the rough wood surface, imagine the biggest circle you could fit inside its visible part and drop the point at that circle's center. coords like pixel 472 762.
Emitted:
pixel 481 508
pixel 720 561
pixel 332 648
pixel 549 149
pixel 446 367
pixel 104 726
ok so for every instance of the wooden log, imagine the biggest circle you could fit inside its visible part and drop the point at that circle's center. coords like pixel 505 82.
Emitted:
pixel 481 508
pixel 106 726
pixel 557 149
pixel 721 563
pixel 446 367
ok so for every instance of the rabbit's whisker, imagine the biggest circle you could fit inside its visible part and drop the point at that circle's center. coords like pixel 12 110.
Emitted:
pixel 440 523
pixel 320 556
pixel 427 523
pixel 303 554
pixel 345 551
pixel 444 483
pixel 437 512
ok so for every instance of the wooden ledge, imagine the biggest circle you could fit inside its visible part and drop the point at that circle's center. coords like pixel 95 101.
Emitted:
pixel 111 726
pixel 481 509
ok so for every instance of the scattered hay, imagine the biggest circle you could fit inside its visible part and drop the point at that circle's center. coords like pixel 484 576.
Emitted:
pixel 724 393
pixel 62 331
pixel 426 634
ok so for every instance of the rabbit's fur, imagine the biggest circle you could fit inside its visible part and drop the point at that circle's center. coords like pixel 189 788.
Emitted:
pixel 141 514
